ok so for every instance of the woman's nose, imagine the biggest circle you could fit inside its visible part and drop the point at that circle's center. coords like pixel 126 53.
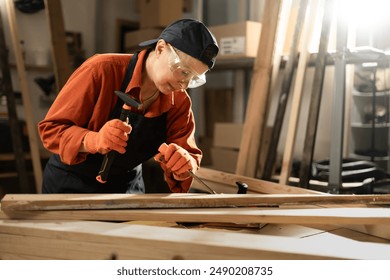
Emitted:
pixel 184 84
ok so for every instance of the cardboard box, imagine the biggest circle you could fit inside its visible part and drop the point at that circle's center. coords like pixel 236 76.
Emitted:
pixel 156 13
pixel 133 38
pixel 224 159
pixel 227 135
pixel 237 40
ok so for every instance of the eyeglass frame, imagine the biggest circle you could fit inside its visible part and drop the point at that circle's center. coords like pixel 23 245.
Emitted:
pixel 196 80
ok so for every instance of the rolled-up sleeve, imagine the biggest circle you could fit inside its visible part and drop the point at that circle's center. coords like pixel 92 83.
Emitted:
pixel 83 104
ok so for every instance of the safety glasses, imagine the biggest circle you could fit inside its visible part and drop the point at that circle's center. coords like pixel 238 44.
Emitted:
pixel 184 74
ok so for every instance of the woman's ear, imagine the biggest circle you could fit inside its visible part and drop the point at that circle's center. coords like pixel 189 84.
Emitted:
pixel 160 45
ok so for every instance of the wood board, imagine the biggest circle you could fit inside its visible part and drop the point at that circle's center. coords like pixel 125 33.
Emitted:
pixel 258 97
pixel 187 200
pixel 316 94
pixel 288 75
pixel 100 240
pixel 293 120
pixel 26 95
pixel 61 61
pixel 339 215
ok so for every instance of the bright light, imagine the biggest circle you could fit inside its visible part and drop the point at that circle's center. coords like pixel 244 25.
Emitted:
pixel 366 14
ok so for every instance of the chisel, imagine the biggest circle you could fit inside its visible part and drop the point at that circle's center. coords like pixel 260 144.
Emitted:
pixel 200 181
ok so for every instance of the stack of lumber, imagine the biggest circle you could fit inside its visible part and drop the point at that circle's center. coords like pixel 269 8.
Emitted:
pixel 195 225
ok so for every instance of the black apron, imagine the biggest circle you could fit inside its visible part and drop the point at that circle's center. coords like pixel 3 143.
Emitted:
pixel 126 171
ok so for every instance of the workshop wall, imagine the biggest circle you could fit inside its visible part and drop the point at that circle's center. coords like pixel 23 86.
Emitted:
pixel 97 21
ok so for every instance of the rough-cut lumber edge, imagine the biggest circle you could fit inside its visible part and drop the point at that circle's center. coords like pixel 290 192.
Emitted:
pixel 99 240
pixel 129 201
pixel 255 185
pixel 339 215
pixel 259 91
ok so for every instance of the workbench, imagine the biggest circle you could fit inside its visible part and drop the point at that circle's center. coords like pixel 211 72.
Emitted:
pixel 271 221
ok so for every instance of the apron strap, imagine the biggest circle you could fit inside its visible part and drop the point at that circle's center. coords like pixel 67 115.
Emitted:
pixel 126 81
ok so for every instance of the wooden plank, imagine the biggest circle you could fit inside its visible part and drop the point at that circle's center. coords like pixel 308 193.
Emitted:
pixel 287 19
pixel 13 121
pixel 98 240
pixel 315 101
pixel 286 16
pixel 28 111
pixel 258 97
pixel 187 200
pixel 255 185
pixel 339 215
pixel 61 61
pixel 297 93
pixel 285 92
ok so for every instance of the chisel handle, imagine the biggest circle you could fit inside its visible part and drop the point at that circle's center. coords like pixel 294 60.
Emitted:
pixel 105 167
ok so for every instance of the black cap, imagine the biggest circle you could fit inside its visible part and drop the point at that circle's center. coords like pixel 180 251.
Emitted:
pixel 191 37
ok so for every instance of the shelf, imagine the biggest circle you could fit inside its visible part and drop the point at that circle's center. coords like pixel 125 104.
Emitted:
pixel 370 94
pixel 351 57
pixel 8 175
pixel 36 68
pixel 369 125
pixel 234 63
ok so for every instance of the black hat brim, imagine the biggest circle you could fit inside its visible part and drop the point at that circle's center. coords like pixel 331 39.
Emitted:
pixel 148 42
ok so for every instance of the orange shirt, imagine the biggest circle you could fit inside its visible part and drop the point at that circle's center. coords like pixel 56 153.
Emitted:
pixel 85 103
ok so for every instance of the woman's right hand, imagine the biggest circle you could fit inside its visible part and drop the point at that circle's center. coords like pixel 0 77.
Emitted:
pixel 112 136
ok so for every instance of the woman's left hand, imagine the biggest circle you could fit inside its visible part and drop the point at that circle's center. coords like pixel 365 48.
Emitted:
pixel 177 160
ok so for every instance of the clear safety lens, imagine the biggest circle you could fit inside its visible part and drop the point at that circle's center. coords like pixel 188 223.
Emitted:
pixel 184 74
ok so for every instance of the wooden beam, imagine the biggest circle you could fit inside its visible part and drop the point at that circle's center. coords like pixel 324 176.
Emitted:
pixel 187 200
pixel 339 215
pixel 293 119
pixel 61 61
pixel 288 75
pixel 30 120
pixel 316 93
pixel 98 240
pixel 258 97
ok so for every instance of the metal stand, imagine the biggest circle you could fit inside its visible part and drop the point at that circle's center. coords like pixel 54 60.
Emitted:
pixel 337 132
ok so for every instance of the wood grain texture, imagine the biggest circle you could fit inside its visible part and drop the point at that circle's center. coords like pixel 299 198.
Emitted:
pixel 99 240
pixel 187 200
pixel 339 215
